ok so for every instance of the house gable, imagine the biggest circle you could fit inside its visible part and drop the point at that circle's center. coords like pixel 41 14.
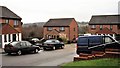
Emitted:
pixel 7 29
pixel 53 32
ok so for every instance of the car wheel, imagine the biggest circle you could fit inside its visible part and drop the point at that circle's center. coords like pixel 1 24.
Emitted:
pixel 44 48
pixel 36 51
pixel 54 48
pixel 9 53
pixel 19 52
pixel 62 47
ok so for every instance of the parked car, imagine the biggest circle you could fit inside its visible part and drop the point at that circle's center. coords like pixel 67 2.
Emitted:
pixel 32 40
pixel 35 39
pixel 20 47
pixel 87 44
pixel 52 44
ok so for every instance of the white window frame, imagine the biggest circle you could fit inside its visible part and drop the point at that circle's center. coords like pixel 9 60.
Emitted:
pixel 6 20
pixel 16 23
pixel 111 27
pixel 101 27
pixel 62 28
pixel 49 28
pixel 93 26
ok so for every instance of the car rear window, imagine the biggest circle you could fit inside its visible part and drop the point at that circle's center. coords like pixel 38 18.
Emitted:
pixel 48 41
pixel 95 39
pixel 13 43
pixel 51 41
pixel 82 40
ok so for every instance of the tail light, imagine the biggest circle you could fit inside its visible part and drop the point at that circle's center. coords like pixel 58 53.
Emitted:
pixel 5 46
pixel 9 46
pixel 76 46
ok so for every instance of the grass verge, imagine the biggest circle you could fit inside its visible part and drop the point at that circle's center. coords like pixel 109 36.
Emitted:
pixel 97 63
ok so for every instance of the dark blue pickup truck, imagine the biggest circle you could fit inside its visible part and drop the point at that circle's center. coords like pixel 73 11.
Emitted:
pixel 87 44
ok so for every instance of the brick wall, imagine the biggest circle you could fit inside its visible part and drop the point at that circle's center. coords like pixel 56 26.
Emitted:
pixel 11 22
pixel 93 31
pixel 69 31
pixel 72 32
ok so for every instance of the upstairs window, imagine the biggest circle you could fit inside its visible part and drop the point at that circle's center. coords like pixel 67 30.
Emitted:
pixel 118 26
pixel 93 26
pixel 16 23
pixel 111 27
pixel 101 27
pixel 62 28
pixel 74 29
pixel 49 28
pixel 6 20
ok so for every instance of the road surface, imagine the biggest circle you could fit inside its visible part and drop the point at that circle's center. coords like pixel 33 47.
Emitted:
pixel 43 58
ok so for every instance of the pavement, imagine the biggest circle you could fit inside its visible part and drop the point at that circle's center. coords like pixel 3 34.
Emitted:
pixel 1 51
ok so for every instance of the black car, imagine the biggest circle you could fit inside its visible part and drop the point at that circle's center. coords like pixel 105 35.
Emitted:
pixel 87 44
pixel 20 47
pixel 52 44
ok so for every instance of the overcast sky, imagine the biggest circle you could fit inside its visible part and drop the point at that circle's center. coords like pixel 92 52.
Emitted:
pixel 42 10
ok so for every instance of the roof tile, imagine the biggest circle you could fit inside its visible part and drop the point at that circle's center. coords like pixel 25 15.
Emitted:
pixel 105 19
pixel 59 22
pixel 7 13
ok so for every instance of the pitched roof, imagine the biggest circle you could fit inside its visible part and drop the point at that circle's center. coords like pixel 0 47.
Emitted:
pixel 105 19
pixel 7 13
pixel 58 22
pixel 7 29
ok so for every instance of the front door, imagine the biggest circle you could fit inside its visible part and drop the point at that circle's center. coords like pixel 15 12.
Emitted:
pixel 14 37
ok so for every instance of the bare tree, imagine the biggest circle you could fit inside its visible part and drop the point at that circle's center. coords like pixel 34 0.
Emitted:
pixel 32 31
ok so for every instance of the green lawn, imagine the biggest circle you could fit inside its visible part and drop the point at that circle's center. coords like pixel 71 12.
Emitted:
pixel 97 63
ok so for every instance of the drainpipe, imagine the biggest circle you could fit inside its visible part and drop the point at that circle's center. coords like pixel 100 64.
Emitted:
pixel 69 33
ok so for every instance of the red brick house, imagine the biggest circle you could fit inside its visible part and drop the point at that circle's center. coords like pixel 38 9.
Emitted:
pixel 61 27
pixel 105 24
pixel 11 26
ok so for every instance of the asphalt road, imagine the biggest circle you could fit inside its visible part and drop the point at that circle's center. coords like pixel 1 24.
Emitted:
pixel 43 58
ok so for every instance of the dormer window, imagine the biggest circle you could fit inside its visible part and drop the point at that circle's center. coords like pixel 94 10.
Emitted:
pixel 62 28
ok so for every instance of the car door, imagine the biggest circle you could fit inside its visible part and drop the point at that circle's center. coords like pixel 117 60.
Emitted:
pixel 82 44
pixel 24 46
pixel 57 43
pixel 29 46
pixel 110 42
pixel 96 43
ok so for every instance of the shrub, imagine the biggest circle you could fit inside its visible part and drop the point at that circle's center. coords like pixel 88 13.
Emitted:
pixel 62 39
